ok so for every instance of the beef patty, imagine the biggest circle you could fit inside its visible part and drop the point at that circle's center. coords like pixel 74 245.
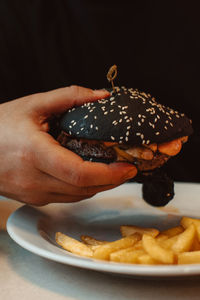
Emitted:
pixel 99 151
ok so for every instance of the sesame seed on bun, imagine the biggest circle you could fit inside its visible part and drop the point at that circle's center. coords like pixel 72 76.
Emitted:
pixel 128 116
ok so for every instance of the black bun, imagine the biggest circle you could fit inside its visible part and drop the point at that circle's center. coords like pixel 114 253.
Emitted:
pixel 127 116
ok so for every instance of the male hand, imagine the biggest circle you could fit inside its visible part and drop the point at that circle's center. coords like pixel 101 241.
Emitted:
pixel 34 168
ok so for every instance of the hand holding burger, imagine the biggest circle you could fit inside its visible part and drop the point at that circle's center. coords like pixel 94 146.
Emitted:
pixel 35 169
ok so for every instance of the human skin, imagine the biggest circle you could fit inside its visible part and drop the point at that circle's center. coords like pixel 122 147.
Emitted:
pixel 34 168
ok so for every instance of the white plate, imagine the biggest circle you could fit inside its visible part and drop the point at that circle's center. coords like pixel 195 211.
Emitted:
pixel 34 229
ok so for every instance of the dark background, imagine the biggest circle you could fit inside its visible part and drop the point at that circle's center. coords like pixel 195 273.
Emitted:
pixel 47 44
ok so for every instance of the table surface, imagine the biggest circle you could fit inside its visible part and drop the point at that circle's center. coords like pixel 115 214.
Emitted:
pixel 24 275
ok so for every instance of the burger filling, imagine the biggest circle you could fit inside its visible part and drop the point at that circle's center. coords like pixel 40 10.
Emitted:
pixel 145 157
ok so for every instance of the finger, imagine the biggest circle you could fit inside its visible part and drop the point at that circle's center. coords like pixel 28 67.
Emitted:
pixel 65 165
pixel 39 199
pixel 54 185
pixel 43 182
pixel 60 100
pixel 63 198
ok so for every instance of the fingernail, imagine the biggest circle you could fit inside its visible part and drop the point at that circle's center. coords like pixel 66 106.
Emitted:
pixel 130 174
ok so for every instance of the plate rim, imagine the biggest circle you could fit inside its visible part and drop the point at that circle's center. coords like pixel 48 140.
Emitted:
pixel 61 256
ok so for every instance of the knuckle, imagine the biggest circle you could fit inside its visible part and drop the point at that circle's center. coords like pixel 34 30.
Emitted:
pixel 77 179
pixel 31 99
pixel 75 89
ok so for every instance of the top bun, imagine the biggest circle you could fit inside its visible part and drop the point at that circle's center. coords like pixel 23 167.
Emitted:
pixel 128 116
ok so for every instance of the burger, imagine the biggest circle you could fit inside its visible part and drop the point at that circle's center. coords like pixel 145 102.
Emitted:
pixel 129 126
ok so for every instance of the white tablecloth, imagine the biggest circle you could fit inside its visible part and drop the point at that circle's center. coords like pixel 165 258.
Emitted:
pixel 26 276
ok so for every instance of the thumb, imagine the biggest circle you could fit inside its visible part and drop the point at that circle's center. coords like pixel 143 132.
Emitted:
pixel 62 99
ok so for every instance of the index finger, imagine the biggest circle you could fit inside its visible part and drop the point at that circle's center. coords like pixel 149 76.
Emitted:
pixel 59 100
pixel 65 165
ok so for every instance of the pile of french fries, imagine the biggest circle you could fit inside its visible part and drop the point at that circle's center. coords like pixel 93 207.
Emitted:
pixel 149 246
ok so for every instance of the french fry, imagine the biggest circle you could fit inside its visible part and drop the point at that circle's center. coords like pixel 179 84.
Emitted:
pixel 93 247
pixel 173 231
pixel 189 257
pixel 197 230
pixel 195 244
pixel 186 222
pixel 146 259
pixel 152 247
pixel 88 240
pixel 116 255
pixel 185 240
pixel 139 245
pixel 161 237
pixel 128 255
pixel 104 251
pixel 168 243
pixel 73 245
pixel 127 230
